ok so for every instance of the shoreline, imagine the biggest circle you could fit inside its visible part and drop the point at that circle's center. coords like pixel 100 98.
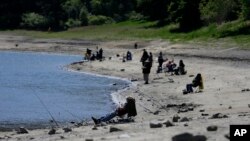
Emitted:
pixel 225 94
pixel 114 95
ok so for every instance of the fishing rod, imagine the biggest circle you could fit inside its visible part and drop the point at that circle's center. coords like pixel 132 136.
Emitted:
pixel 155 102
pixel 73 115
pixel 53 119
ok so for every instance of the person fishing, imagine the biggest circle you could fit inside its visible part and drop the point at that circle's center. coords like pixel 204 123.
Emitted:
pixel 129 108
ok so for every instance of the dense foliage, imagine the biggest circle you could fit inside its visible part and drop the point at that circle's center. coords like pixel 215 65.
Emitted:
pixel 63 14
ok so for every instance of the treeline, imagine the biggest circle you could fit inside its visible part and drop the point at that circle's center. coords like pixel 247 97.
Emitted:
pixel 63 14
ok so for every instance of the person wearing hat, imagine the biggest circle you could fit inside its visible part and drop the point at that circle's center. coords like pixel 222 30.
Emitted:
pixel 146 70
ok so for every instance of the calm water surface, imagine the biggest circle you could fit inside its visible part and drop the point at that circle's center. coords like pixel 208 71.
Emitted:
pixel 32 85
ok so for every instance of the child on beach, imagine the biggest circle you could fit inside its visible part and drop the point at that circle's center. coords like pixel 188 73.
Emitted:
pixel 129 108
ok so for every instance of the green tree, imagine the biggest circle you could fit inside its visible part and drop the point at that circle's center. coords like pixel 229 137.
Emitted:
pixel 53 11
pixel 175 10
pixel 73 8
pixel 186 13
pixel 245 9
pixel 34 21
pixel 117 9
pixel 190 17
pixel 153 9
pixel 83 16
pixel 212 11
pixel 76 13
pixel 98 7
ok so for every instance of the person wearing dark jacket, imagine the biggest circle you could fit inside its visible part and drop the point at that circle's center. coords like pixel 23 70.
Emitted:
pixel 146 70
pixel 129 108
pixel 100 54
pixel 144 56
pixel 181 69
pixel 160 61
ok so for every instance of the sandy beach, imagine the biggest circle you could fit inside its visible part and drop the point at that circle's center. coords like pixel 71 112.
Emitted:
pixel 207 115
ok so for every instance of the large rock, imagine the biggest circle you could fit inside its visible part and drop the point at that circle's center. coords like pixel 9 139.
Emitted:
pixel 183 110
pixel 52 131
pixel 22 130
pixel 219 115
pixel 168 123
pixel 155 124
pixel 176 118
pixel 188 137
pixel 114 129
pixel 199 138
pixel 184 119
pixel 183 137
pixel 212 128
pixel 66 130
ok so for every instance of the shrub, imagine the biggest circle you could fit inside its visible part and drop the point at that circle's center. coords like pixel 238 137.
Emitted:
pixel 219 11
pixel 245 9
pixel 135 16
pixel 73 23
pixel 99 20
pixel 34 21
pixel 233 28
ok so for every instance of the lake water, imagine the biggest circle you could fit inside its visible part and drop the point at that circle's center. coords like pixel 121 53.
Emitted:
pixel 36 86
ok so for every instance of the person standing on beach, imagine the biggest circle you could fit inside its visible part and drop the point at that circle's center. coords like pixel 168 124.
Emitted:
pixel 135 45
pixel 146 70
pixel 160 61
pixel 100 54
pixel 144 56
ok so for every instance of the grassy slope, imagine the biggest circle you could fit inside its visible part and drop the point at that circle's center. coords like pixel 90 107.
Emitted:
pixel 233 33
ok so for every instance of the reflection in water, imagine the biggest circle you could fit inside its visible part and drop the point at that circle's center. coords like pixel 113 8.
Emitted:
pixel 27 80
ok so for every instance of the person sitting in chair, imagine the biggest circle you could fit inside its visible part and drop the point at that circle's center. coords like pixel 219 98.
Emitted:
pixel 129 108
pixel 197 81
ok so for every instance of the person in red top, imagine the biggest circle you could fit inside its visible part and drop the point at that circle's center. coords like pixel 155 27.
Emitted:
pixel 129 108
